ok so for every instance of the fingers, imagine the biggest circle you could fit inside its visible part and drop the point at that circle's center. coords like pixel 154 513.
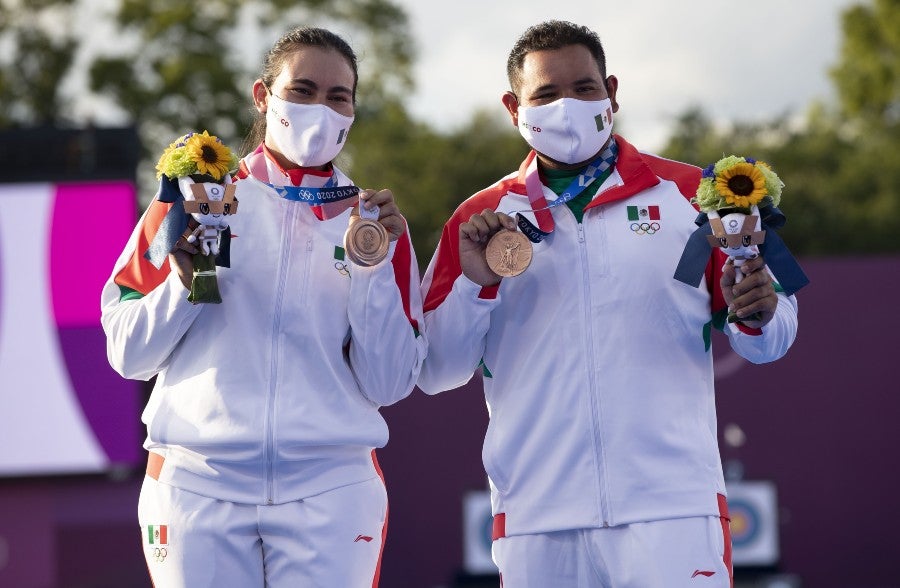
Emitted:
pixel 183 264
pixel 729 278
pixel 372 198
pixel 388 211
pixel 752 276
pixel 726 282
pixel 751 265
pixel 507 221
pixel 482 227
pixel 754 295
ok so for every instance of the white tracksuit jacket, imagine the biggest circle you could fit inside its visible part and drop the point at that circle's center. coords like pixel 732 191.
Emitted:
pixel 272 395
pixel 598 374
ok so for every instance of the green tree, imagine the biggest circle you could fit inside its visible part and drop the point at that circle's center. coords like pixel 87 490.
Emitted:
pixel 38 53
pixel 180 66
pixel 841 167
pixel 193 63
pixel 842 191
pixel 867 76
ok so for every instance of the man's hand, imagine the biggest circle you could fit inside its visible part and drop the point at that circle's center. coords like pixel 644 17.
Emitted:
pixel 388 211
pixel 473 238
pixel 182 262
pixel 755 292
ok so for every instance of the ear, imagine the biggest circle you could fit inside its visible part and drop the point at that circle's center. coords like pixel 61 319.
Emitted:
pixel 612 86
pixel 260 96
pixel 511 103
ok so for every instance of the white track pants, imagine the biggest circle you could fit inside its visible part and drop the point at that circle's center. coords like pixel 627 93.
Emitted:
pixel 333 539
pixel 677 553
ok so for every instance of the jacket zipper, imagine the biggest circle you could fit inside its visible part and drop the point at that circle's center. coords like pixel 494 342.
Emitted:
pixel 304 285
pixel 592 382
pixel 269 427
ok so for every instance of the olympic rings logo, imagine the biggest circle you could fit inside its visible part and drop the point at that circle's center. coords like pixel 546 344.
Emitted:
pixel 342 268
pixel 644 228
pixel 159 554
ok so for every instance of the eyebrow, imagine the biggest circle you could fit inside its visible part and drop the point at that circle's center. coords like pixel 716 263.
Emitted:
pixel 314 86
pixel 544 88
pixel 578 82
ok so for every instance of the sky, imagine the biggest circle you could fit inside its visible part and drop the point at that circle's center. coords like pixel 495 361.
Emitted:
pixel 745 61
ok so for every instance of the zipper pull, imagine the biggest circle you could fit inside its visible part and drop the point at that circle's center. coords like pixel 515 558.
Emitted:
pixel 580 233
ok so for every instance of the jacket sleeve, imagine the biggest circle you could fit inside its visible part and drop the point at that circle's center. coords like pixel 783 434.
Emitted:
pixel 144 310
pixel 386 349
pixel 770 342
pixel 457 317
pixel 763 345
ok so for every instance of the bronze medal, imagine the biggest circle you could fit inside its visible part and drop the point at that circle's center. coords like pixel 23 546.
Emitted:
pixel 366 241
pixel 508 253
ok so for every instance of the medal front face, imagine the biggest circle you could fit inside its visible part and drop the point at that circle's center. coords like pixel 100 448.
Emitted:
pixel 366 242
pixel 508 253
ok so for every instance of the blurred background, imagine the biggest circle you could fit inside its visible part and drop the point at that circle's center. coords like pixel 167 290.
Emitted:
pixel 91 91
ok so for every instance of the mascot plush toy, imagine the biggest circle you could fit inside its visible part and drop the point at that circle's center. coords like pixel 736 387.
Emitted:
pixel 738 199
pixel 198 166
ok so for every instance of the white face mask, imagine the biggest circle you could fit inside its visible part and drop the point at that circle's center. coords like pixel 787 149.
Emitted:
pixel 310 135
pixel 567 130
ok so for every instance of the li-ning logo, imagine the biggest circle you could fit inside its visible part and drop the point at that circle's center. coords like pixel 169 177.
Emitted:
pixel 706 573
pixel 365 538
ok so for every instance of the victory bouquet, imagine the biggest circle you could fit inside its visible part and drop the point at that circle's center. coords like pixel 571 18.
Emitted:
pixel 198 166
pixel 738 199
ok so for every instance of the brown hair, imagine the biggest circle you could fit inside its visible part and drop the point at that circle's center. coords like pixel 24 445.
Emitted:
pixel 552 34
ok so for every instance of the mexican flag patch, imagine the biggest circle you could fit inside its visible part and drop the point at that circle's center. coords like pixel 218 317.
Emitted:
pixel 604 119
pixel 643 213
pixel 158 534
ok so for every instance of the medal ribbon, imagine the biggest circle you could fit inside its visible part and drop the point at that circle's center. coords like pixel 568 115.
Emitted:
pixel 331 198
pixel 539 205
pixel 368 214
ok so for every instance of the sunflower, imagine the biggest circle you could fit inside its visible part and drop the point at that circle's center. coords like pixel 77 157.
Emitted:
pixel 737 182
pixel 196 153
pixel 210 155
pixel 742 185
